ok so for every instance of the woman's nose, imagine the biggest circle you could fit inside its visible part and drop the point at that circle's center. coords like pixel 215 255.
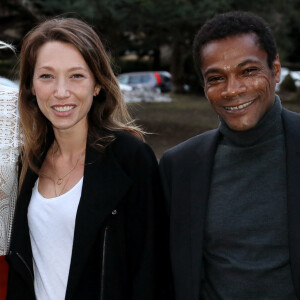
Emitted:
pixel 61 90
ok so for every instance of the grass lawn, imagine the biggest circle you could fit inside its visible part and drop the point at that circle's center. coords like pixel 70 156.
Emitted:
pixel 170 123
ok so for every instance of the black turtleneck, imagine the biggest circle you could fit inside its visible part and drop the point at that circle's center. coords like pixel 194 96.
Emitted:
pixel 246 244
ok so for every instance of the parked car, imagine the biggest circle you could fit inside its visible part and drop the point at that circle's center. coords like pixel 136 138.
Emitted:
pixel 125 87
pixel 151 80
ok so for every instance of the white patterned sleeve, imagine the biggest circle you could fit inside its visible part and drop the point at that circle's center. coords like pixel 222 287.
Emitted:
pixel 9 153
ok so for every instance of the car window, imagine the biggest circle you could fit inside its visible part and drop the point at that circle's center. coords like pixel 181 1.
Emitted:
pixel 166 79
pixel 136 79
pixel 145 78
pixel 123 79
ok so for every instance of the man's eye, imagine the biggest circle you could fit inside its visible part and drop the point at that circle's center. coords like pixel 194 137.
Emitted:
pixel 214 79
pixel 250 71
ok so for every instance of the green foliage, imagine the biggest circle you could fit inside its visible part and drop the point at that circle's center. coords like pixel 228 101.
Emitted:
pixel 125 66
pixel 288 84
pixel 296 98
pixel 144 26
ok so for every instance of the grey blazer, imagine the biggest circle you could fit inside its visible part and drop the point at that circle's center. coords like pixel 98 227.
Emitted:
pixel 186 172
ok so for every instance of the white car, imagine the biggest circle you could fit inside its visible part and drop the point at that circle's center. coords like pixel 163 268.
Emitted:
pixel 148 80
pixel 125 87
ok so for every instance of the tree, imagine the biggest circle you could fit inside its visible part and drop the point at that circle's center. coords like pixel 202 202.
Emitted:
pixel 144 26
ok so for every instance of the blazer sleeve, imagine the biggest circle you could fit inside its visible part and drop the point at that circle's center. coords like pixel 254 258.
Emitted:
pixel 165 175
pixel 147 230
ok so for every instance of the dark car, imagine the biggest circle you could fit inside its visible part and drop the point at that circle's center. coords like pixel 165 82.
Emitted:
pixel 150 80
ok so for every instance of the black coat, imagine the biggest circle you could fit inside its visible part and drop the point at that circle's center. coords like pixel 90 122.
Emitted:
pixel 120 241
pixel 186 173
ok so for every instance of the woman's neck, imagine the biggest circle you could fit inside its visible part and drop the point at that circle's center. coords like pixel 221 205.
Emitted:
pixel 70 142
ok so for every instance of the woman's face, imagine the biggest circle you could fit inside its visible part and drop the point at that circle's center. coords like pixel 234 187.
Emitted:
pixel 64 86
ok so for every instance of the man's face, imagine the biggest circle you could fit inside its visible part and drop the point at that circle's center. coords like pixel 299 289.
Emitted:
pixel 238 81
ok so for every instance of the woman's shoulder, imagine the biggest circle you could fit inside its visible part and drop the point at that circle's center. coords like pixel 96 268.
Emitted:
pixel 10 138
pixel 128 147
pixel 126 141
pixel 8 102
pixel 125 137
pixel 8 93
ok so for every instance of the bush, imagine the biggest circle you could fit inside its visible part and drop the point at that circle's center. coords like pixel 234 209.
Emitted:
pixel 296 96
pixel 124 66
pixel 288 84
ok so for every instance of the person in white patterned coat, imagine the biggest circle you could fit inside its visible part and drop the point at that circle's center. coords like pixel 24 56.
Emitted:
pixel 9 152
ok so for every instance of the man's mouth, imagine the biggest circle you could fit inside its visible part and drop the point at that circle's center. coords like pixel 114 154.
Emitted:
pixel 63 108
pixel 241 106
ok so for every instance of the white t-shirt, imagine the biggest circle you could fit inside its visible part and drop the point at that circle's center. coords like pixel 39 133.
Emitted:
pixel 51 225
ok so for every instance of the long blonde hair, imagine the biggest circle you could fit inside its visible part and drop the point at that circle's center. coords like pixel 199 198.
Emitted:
pixel 108 112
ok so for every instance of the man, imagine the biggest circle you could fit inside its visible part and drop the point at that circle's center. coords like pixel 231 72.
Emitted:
pixel 233 192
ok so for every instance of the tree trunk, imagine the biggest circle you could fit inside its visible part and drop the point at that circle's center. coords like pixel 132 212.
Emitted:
pixel 177 66
pixel 156 59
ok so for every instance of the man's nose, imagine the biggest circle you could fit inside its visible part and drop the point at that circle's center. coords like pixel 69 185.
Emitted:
pixel 234 87
pixel 61 89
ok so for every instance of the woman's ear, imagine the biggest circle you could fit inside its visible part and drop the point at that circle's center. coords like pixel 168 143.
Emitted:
pixel 97 90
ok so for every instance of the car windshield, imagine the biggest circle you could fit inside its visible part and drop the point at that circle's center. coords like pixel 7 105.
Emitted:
pixel 123 79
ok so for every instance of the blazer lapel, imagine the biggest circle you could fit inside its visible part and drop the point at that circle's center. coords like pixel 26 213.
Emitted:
pixel 191 184
pixel 104 185
pixel 200 187
pixel 291 122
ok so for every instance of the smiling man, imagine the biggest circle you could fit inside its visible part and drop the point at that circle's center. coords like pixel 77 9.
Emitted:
pixel 233 195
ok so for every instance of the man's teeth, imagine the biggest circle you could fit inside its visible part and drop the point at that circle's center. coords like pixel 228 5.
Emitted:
pixel 63 108
pixel 239 106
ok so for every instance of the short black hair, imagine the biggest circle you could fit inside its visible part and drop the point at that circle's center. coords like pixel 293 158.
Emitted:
pixel 231 24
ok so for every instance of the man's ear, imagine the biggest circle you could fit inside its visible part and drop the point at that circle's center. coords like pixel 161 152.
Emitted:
pixel 277 68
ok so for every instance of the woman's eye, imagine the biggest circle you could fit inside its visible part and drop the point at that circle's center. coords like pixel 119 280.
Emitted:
pixel 45 76
pixel 77 76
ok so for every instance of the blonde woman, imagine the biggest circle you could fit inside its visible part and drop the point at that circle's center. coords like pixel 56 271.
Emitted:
pixel 9 152
pixel 88 222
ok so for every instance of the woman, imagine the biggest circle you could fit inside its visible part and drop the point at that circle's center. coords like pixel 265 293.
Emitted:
pixel 9 152
pixel 88 222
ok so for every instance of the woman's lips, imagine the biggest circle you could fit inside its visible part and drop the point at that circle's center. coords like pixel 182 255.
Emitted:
pixel 63 108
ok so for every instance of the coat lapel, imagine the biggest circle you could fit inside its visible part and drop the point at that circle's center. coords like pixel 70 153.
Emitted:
pixel 104 185
pixel 291 122
pixel 200 187
pixel 188 212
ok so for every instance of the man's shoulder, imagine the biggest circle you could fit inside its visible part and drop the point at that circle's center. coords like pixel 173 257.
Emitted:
pixel 291 125
pixel 193 144
pixel 291 119
pixel 290 114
